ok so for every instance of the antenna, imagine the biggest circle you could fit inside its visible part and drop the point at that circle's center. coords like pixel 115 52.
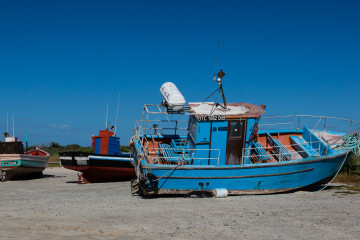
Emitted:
pixel 106 121
pixel 220 75
pixel 7 122
pixel 13 126
pixel 117 111
pixel 217 54
pixel 26 142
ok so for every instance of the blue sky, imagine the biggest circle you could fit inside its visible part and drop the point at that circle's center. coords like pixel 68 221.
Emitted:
pixel 62 62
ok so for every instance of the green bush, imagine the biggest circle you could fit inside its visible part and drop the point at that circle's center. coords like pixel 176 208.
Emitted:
pixel 54 148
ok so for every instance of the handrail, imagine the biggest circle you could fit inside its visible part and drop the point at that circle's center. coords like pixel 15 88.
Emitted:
pixel 186 155
pixel 298 118
pixel 314 116
pixel 141 126
pixel 249 152
pixel 145 127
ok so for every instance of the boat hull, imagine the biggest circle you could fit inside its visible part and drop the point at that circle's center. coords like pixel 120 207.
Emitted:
pixel 22 165
pixel 246 179
pixel 100 168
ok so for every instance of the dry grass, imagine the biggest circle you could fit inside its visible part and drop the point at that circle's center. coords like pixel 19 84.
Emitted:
pixel 348 179
pixel 352 183
pixel 348 189
pixel 54 161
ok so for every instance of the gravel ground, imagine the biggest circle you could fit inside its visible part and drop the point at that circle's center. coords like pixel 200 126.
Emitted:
pixel 56 207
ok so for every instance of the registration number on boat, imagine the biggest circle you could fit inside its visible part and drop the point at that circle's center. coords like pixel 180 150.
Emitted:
pixel 81 162
pixel 210 118
pixel 9 163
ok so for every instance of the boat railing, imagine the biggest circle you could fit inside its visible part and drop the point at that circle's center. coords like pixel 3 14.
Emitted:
pixel 250 157
pixel 297 122
pixel 181 156
pixel 161 127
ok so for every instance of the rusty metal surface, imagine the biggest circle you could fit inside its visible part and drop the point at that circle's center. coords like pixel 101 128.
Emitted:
pixel 254 110
pixel 231 192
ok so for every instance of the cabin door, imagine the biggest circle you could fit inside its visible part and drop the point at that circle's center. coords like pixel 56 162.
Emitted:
pixel 235 141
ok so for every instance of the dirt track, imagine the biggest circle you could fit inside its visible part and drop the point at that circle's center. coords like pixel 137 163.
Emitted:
pixel 55 207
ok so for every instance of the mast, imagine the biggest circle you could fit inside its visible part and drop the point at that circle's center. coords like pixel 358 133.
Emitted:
pixel 26 143
pixel 221 74
pixel 13 126
pixel 117 112
pixel 106 121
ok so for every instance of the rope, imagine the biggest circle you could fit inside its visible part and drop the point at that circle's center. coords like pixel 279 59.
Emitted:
pixel 164 175
pixel 350 142
pixel 317 124
pixel 326 185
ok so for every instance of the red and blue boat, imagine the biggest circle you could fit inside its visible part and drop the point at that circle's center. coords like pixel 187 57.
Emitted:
pixel 106 164
pixel 230 148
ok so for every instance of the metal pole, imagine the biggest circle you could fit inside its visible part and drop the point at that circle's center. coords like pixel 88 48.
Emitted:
pixel 218 157
pixel 223 95
pixel 13 126
pixel 176 126
pixel 144 131
pixel 117 113
pixel 106 121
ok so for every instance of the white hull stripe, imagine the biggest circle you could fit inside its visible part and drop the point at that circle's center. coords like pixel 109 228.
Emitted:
pixel 110 158
pixel 24 158
pixel 81 158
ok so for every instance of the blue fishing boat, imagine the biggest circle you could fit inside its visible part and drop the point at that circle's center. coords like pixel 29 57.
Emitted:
pixel 225 148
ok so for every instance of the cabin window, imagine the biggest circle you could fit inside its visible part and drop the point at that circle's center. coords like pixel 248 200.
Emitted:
pixel 236 129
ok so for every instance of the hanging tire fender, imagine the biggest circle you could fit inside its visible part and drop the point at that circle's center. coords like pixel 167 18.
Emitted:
pixel 149 182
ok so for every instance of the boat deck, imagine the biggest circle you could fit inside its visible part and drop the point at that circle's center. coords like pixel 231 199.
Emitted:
pixel 273 147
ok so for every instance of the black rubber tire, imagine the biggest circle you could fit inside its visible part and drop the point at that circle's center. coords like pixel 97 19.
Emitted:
pixel 149 183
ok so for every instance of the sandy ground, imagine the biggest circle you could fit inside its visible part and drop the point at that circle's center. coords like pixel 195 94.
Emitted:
pixel 55 207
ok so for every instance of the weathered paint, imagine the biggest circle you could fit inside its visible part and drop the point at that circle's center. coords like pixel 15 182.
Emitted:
pixel 252 176
pixel 16 165
pixel 246 178
pixel 107 164
pixel 213 135
pixel 299 173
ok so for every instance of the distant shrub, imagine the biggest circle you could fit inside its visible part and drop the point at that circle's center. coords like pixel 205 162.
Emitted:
pixel 124 148
pixel 55 145
pixel 55 148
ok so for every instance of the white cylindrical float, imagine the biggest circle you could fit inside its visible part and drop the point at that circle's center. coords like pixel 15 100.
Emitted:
pixel 172 96
pixel 220 192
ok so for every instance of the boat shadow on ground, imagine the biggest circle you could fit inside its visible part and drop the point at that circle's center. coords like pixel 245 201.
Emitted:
pixel 93 182
pixel 35 176
pixel 313 189
pixel 207 194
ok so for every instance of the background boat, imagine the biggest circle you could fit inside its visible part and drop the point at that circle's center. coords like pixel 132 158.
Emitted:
pixel 15 163
pixel 106 164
